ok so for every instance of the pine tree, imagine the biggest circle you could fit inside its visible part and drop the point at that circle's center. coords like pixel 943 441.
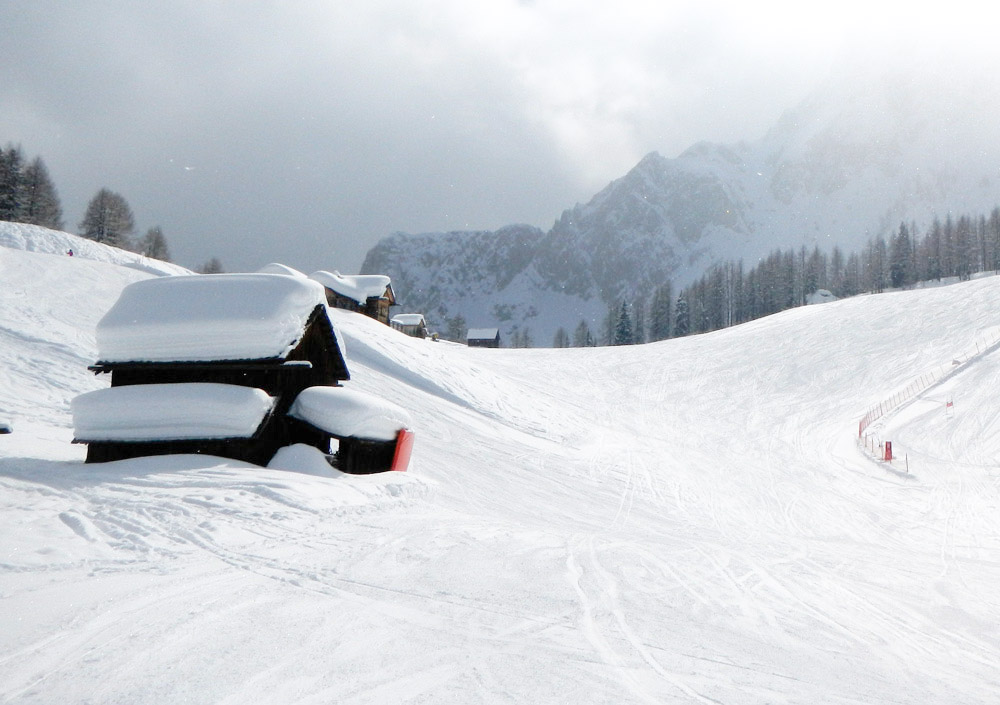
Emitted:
pixel 900 259
pixel 11 183
pixel 659 314
pixel 214 266
pixel 108 219
pixel 154 244
pixel 41 202
pixel 561 339
pixel 582 337
pixel 993 233
pixel 623 328
pixel 682 320
pixel 639 322
pixel 965 247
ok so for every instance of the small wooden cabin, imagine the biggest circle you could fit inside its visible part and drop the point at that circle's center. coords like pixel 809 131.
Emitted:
pixel 270 333
pixel 235 365
pixel 412 324
pixel 370 294
pixel 483 338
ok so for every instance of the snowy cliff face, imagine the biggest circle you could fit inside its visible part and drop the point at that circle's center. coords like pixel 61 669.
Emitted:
pixel 849 163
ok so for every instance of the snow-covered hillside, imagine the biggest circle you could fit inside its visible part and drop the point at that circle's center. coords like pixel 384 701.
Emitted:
pixel 35 238
pixel 682 522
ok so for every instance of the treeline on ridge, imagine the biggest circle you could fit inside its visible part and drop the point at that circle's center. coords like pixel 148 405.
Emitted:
pixel 729 294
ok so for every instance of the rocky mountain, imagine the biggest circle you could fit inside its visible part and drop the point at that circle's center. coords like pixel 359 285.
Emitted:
pixel 851 162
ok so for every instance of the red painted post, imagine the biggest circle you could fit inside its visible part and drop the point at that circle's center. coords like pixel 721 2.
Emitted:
pixel 404 447
pixel 888 451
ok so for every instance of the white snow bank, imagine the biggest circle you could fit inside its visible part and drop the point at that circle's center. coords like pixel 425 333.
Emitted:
pixel 303 458
pixel 359 287
pixel 208 317
pixel 35 238
pixel 278 268
pixel 162 412
pixel 349 413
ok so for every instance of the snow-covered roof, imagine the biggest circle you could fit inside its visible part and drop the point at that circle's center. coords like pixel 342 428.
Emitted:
pixel 820 296
pixel 164 412
pixel 348 412
pixel 208 317
pixel 359 287
pixel 408 319
pixel 482 334
pixel 278 268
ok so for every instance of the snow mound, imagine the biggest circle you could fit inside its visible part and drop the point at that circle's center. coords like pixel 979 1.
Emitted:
pixel 208 317
pixel 349 413
pixel 35 238
pixel 303 458
pixel 162 412
pixel 278 268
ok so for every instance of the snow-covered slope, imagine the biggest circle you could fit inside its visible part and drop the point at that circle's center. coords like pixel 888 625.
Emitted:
pixel 35 238
pixel 683 522
pixel 857 158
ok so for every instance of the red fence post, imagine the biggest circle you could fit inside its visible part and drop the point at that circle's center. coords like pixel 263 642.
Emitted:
pixel 888 451
pixel 404 447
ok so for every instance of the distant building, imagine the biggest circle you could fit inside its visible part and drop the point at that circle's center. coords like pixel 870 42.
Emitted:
pixel 370 294
pixel 483 338
pixel 820 296
pixel 413 324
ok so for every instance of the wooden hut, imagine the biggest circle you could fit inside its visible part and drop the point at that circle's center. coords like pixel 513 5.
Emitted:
pixel 483 338
pixel 370 294
pixel 235 365
pixel 187 343
pixel 412 324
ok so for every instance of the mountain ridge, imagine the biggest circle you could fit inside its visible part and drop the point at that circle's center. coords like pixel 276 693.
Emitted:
pixel 849 163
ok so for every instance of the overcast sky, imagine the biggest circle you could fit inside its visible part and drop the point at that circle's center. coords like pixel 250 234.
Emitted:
pixel 302 132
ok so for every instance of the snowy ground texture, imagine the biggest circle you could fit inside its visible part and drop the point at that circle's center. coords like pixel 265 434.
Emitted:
pixel 684 522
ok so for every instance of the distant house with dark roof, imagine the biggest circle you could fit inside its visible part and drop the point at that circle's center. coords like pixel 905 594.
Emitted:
pixel 370 294
pixel 413 324
pixel 483 338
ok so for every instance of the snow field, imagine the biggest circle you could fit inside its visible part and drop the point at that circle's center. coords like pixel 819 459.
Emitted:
pixel 682 522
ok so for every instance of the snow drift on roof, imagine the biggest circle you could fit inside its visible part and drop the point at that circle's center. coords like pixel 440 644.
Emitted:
pixel 208 317
pixel 359 287
pixel 408 319
pixel 482 333
pixel 278 268
pixel 348 412
pixel 166 412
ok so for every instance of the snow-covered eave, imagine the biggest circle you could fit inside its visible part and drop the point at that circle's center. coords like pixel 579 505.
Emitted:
pixel 145 413
pixel 359 288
